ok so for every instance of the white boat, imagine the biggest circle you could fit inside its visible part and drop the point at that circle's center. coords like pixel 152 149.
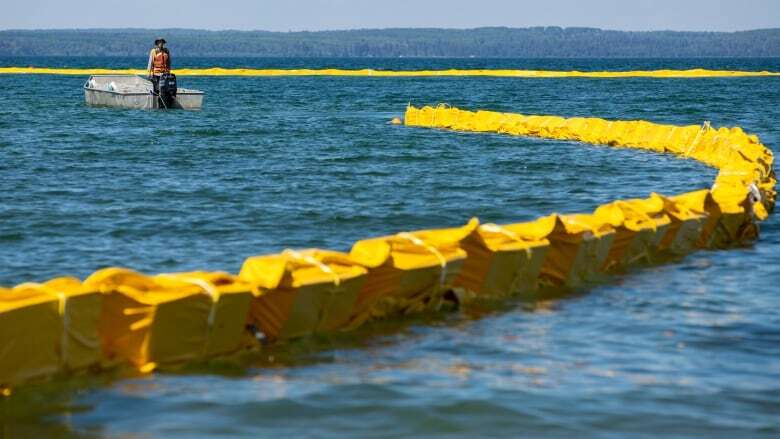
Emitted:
pixel 129 91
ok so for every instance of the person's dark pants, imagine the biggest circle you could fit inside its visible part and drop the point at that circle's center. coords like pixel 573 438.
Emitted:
pixel 162 101
pixel 155 84
pixel 156 89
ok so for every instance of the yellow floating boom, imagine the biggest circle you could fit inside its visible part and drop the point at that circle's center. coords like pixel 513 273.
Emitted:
pixel 511 73
pixel 118 316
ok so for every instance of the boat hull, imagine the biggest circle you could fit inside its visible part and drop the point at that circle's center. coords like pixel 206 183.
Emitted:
pixel 123 91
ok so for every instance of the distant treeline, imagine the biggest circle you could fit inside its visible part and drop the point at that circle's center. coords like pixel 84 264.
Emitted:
pixel 537 42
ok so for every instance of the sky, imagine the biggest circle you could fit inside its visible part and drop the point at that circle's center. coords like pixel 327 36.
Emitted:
pixel 697 15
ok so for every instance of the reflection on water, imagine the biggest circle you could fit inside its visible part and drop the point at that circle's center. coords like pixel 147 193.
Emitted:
pixel 685 349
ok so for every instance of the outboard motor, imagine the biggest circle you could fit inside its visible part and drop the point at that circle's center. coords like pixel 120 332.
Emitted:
pixel 168 90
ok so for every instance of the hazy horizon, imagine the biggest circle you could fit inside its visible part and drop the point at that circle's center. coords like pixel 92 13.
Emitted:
pixel 324 15
pixel 364 29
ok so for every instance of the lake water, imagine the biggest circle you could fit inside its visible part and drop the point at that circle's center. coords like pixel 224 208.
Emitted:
pixel 688 349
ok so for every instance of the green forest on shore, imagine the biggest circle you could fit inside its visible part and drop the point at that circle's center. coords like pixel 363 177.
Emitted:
pixel 538 42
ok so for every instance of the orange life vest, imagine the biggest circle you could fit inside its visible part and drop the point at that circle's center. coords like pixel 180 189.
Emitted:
pixel 161 62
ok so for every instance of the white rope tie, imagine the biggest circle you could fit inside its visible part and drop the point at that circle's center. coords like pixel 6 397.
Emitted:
pixel 669 136
pixel 207 288
pixel 495 228
pixel 308 259
pixel 704 128
pixel 315 262
pixel 420 243
pixel 210 290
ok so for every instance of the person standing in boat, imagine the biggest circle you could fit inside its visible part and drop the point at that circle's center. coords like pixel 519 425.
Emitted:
pixel 159 63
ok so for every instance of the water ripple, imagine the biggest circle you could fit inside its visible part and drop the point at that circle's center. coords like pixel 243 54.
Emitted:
pixel 688 349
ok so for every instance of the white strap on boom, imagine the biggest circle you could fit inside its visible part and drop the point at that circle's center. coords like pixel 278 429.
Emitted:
pixel 704 128
pixel 310 260
pixel 495 228
pixel 420 243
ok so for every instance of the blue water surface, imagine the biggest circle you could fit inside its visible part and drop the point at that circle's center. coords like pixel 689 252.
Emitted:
pixel 688 349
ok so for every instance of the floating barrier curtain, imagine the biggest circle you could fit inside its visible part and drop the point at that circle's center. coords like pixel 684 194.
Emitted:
pixel 302 293
pixel 155 320
pixel 408 272
pixel 118 316
pixel 47 328
pixel 502 260
pixel 218 71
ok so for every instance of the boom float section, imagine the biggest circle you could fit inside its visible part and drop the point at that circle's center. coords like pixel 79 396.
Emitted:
pixel 218 71
pixel 121 318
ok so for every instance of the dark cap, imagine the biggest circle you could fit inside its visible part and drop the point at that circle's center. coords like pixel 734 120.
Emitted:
pixel 160 40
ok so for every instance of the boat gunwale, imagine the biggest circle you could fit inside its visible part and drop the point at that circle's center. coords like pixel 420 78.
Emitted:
pixel 181 91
